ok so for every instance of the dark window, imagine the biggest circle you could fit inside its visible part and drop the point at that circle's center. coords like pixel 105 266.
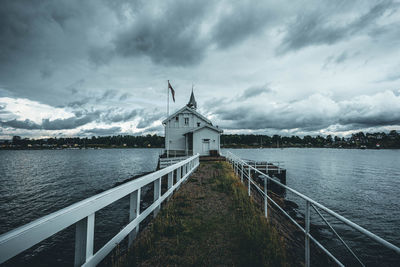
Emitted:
pixel 186 121
pixel 176 118
pixel 198 124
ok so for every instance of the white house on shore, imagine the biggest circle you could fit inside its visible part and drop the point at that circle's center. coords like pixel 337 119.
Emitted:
pixel 187 132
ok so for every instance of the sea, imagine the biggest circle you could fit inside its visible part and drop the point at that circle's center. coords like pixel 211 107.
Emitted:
pixel 361 185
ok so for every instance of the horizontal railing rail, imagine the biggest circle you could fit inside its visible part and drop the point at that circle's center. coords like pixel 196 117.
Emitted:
pixel 164 162
pixel 269 165
pixel 243 170
pixel 83 212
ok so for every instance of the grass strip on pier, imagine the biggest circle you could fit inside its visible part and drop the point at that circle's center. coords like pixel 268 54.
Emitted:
pixel 209 221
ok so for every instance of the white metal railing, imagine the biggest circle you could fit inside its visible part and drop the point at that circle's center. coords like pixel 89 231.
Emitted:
pixel 240 166
pixel 83 215
pixel 164 162
pixel 263 165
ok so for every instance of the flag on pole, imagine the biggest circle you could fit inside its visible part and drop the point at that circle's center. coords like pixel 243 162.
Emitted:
pixel 172 91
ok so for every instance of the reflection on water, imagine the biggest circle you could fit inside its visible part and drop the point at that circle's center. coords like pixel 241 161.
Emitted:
pixel 362 185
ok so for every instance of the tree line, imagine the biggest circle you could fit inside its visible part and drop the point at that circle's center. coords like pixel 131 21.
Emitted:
pixel 356 140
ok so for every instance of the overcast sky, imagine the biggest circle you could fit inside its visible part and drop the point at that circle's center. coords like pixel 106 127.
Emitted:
pixel 83 68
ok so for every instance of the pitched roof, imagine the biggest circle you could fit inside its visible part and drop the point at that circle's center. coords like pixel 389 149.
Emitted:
pixel 204 126
pixel 192 102
pixel 190 110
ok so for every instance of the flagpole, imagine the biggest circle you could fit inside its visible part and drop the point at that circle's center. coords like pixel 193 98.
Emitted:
pixel 168 99
pixel 167 125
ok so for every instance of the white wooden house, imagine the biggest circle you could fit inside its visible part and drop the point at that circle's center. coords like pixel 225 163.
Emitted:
pixel 187 132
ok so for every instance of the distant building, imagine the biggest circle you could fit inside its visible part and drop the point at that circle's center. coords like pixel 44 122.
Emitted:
pixel 187 132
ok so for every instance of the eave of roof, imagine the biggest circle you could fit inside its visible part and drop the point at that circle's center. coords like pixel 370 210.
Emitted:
pixel 204 126
pixel 190 110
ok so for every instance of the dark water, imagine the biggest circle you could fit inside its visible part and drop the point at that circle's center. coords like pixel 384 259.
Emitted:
pixel 362 185
pixel 36 183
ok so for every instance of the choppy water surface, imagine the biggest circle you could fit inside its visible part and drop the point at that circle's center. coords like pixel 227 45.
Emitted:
pixel 362 185
pixel 36 183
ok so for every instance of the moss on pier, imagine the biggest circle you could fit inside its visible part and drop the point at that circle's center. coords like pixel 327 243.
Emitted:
pixel 209 221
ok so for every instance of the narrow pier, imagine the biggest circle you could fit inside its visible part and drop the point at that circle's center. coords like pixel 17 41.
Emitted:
pixel 210 221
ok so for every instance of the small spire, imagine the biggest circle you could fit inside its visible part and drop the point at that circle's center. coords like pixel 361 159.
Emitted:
pixel 192 102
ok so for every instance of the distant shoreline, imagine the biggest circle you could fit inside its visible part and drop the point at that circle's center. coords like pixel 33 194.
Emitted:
pixel 378 140
pixel 225 147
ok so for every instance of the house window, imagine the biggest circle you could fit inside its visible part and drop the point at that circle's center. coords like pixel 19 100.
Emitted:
pixel 186 121
pixel 198 124
pixel 176 121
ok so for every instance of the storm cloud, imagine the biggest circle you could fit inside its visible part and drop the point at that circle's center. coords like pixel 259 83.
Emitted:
pixel 101 131
pixel 255 91
pixel 317 112
pixel 316 28
pixel 97 67
pixel 119 115
pixel 47 124
pixel 169 34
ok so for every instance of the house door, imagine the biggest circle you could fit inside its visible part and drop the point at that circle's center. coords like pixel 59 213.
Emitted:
pixel 206 147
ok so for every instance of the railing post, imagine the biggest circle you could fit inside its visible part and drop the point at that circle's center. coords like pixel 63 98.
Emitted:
pixel 178 174
pixel 157 195
pixel 249 182
pixel 134 211
pixel 241 175
pixel 307 238
pixel 170 179
pixel 84 236
pixel 266 197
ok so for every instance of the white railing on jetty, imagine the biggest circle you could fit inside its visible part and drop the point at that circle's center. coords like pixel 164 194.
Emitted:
pixel 83 215
pixel 265 166
pixel 165 162
pixel 243 170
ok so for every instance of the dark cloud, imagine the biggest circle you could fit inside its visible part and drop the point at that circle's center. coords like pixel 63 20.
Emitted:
pixel 253 119
pixel 78 103
pixel 391 78
pixel 17 124
pixel 158 129
pixel 101 131
pixel 341 58
pixel 42 33
pixel 148 119
pixel 83 101
pixel 76 87
pixel 241 20
pixel 316 27
pixel 108 94
pixel 255 91
pixel 315 113
pixel 117 115
pixel 101 55
pixel 171 35
pixel 124 96
pixel 58 124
